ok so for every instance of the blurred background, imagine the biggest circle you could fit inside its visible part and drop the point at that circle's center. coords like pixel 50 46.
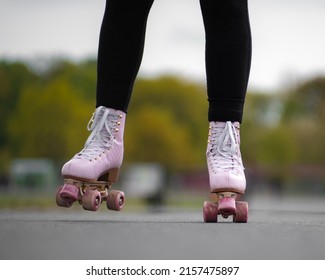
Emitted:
pixel 47 95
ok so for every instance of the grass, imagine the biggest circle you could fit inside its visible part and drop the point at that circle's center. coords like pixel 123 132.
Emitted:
pixel 22 201
pixel 11 201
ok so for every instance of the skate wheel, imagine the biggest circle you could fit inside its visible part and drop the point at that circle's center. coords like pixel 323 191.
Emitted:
pixel 210 212
pixel 60 201
pixel 241 215
pixel 115 200
pixel 91 200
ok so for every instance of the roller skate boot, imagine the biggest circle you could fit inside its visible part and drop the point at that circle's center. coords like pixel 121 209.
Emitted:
pixel 89 175
pixel 226 173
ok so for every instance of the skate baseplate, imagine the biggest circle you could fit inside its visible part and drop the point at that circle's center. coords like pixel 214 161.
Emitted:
pixel 89 194
pixel 225 205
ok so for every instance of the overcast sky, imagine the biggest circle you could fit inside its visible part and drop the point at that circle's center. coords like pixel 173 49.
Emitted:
pixel 288 36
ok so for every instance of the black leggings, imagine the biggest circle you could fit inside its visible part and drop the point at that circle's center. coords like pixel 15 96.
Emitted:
pixel 228 54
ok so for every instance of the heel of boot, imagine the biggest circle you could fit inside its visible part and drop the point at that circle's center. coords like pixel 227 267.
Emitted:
pixel 113 175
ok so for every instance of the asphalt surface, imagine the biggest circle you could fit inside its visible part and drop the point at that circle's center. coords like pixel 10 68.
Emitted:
pixel 277 229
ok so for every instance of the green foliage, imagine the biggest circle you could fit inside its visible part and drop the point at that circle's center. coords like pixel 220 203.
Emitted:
pixel 81 77
pixel 13 78
pixel 304 113
pixel 48 121
pixel 307 101
pixel 154 135
pixel 168 123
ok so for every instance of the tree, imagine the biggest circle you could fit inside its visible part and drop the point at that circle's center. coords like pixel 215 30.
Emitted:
pixel 14 77
pixel 307 100
pixel 304 114
pixel 153 135
pixel 49 121
pixel 171 115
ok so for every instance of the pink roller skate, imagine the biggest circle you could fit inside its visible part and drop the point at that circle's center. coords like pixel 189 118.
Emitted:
pixel 226 174
pixel 89 175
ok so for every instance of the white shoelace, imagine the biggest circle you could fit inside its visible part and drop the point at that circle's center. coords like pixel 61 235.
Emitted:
pixel 223 153
pixel 102 123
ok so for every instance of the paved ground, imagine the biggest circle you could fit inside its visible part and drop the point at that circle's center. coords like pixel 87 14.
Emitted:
pixel 277 229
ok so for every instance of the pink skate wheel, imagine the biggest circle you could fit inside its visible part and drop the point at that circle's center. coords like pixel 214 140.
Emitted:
pixel 60 201
pixel 91 200
pixel 69 192
pixel 241 215
pixel 210 212
pixel 115 200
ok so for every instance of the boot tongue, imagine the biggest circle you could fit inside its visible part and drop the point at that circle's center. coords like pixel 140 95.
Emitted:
pixel 101 135
pixel 223 152
pixel 226 138
pixel 96 118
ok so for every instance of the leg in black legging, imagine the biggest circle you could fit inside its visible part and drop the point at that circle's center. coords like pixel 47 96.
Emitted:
pixel 120 51
pixel 228 57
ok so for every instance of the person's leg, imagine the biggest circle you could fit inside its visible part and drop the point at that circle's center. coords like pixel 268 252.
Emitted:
pixel 119 56
pixel 120 51
pixel 228 57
